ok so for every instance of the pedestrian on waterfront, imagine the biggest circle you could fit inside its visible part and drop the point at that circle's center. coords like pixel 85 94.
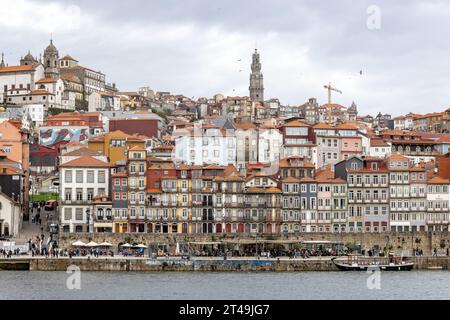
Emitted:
pixel 435 254
pixel 447 252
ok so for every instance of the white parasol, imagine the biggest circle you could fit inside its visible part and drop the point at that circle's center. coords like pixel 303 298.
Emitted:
pixel 79 244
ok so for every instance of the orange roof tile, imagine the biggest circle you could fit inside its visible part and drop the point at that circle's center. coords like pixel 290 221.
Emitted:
pixel 86 162
pixel 47 80
pixel 39 92
pixel 295 123
pixel 322 125
pixel 17 68
pixel 438 180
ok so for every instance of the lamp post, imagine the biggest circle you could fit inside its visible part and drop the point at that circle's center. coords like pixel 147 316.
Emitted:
pixel 88 217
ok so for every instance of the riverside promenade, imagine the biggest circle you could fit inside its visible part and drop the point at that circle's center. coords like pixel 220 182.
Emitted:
pixel 197 264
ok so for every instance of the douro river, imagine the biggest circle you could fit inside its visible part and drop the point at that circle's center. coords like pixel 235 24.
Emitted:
pixel 205 286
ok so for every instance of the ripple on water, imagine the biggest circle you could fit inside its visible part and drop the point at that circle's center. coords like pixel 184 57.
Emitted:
pixel 225 286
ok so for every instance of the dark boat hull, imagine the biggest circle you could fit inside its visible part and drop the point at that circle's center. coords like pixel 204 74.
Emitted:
pixel 381 267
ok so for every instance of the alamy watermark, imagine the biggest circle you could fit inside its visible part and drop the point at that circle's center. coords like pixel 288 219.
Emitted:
pixel 73 282
pixel 374 280
pixel 373 21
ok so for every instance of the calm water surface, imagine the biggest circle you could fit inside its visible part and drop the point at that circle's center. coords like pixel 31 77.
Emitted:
pixel 193 286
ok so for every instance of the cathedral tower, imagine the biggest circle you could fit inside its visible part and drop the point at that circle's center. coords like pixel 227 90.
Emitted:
pixel 51 60
pixel 256 80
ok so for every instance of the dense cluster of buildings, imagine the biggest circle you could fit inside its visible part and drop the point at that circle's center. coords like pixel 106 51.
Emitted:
pixel 154 162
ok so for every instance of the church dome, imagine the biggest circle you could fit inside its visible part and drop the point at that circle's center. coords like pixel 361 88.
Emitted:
pixel 51 48
pixel 29 57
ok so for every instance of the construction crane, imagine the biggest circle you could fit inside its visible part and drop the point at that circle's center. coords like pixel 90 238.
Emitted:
pixel 330 88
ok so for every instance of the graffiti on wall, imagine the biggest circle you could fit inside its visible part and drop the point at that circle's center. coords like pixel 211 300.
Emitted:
pixel 49 137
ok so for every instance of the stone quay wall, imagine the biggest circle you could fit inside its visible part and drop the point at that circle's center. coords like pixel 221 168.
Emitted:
pixel 148 265
pixel 404 242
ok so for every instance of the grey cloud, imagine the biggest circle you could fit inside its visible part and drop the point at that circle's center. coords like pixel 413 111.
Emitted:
pixel 191 47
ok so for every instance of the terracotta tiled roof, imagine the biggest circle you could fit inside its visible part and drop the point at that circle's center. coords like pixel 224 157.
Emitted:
pixel 347 126
pixel 444 139
pixel 295 123
pixel 71 77
pixel 47 80
pixel 39 92
pixel 438 180
pixel 378 143
pixel 244 125
pixel 323 125
pixel 290 180
pixel 86 162
pixel 398 157
pixel 68 57
pixel 17 68
pixel 83 152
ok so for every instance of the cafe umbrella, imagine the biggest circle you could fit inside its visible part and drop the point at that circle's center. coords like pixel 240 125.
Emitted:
pixel 92 244
pixel 79 244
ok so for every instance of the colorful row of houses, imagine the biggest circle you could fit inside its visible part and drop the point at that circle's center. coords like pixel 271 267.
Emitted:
pixel 143 194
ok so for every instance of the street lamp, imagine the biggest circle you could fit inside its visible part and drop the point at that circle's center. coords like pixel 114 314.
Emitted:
pixel 88 216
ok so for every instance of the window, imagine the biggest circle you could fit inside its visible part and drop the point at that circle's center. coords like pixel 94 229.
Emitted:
pixel 79 214
pixel 79 194
pixel 68 176
pixel 101 176
pixel 90 194
pixel 68 194
pixel 67 214
pixel 79 176
pixel 90 176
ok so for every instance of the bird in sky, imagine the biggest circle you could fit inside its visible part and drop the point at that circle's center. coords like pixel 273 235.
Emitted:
pixel 240 60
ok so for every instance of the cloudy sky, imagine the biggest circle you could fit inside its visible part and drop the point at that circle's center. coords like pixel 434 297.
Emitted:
pixel 192 47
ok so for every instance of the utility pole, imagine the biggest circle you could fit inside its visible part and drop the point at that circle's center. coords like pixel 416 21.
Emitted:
pixel 330 88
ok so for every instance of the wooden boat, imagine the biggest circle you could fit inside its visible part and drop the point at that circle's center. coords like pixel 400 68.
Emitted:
pixel 361 263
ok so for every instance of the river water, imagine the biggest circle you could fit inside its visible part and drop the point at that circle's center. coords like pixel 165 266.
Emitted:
pixel 239 286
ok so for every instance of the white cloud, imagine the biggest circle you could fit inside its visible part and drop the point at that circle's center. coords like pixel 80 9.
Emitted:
pixel 42 17
pixel 194 48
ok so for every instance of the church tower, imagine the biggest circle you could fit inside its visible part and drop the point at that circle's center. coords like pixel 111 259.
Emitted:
pixel 256 80
pixel 28 60
pixel 51 60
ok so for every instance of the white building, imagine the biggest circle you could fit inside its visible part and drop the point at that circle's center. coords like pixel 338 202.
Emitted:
pixel 270 141
pixel 36 112
pixel 379 148
pixel 10 216
pixel 205 144
pixel 82 179
pixel 438 202
pixel 19 80
pixel 103 101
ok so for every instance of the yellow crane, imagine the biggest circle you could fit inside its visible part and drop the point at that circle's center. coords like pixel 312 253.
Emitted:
pixel 330 88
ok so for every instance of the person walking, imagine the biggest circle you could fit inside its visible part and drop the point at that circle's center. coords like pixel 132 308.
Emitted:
pixel 435 254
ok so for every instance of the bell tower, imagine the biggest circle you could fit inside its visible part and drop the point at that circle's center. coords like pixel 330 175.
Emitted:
pixel 256 79
pixel 51 60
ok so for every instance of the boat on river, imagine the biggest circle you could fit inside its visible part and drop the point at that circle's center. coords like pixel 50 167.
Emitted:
pixel 362 263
